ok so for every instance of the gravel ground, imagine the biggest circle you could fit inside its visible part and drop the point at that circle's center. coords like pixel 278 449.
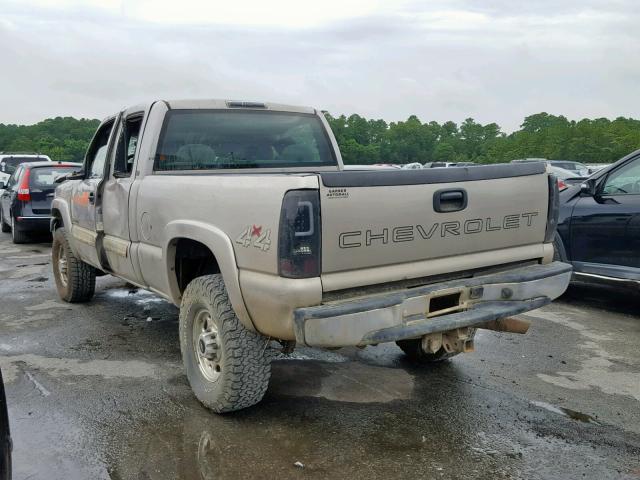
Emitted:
pixel 97 391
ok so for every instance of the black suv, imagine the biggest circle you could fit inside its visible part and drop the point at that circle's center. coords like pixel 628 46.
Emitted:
pixel 25 202
pixel 599 225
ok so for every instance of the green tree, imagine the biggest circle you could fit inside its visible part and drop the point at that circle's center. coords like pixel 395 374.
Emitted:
pixel 62 138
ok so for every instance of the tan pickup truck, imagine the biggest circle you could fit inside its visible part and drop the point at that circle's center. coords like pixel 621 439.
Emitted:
pixel 242 215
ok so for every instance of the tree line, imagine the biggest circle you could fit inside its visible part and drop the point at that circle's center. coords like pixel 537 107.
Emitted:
pixel 369 141
pixel 62 138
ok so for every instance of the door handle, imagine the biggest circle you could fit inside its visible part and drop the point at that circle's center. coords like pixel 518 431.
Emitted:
pixel 92 197
pixel 450 200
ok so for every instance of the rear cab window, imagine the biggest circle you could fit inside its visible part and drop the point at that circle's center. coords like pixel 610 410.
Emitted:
pixel 230 139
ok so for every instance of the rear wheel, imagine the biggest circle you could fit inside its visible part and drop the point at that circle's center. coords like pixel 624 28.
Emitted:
pixel 75 279
pixel 227 365
pixel 17 234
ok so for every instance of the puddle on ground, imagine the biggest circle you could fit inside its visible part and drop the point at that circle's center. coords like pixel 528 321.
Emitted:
pixel 566 412
pixel 341 382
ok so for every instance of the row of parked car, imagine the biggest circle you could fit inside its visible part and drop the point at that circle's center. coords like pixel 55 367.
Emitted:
pixel 568 172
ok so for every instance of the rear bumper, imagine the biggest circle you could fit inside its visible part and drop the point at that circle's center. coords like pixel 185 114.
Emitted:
pixel 404 314
pixel 33 223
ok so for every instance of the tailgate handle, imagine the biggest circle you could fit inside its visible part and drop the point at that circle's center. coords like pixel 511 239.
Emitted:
pixel 450 200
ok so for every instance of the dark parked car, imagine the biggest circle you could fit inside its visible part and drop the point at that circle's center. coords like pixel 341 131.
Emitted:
pixel 599 224
pixel 25 202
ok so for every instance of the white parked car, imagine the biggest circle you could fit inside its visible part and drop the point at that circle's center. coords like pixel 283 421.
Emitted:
pixel 412 166
pixel 10 161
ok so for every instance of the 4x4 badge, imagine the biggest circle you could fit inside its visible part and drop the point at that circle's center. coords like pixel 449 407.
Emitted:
pixel 256 236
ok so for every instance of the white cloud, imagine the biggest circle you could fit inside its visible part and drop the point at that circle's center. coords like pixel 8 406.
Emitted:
pixel 287 13
pixel 491 60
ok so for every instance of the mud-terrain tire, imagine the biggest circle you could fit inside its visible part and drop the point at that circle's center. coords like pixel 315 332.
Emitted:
pixel 412 348
pixel 4 226
pixel 17 234
pixel 75 279
pixel 236 372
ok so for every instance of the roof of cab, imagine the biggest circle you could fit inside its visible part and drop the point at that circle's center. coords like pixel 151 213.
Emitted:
pixel 218 104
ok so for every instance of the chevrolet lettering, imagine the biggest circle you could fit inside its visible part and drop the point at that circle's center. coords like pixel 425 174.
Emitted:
pixel 410 233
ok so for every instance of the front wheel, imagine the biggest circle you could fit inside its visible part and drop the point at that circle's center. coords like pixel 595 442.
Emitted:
pixel 75 279
pixel 227 365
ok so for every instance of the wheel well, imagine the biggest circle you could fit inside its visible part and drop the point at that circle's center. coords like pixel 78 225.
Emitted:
pixel 56 221
pixel 192 259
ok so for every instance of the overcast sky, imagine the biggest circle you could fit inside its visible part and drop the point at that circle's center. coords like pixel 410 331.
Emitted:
pixel 493 60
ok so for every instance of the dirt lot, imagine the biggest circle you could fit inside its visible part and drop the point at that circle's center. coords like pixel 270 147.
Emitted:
pixel 97 391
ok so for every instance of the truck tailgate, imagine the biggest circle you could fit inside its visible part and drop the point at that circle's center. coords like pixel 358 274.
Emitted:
pixel 377 218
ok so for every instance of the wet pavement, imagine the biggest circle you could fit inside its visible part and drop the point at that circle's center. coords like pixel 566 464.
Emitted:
pixel 97 391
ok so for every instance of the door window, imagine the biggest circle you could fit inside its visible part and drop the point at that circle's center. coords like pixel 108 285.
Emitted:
pixel 127 144
pixel 624 180
pixel 97 153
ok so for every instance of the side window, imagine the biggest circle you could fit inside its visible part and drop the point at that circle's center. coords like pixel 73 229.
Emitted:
pixel 624 180
pixel 97 153
pixel 127 144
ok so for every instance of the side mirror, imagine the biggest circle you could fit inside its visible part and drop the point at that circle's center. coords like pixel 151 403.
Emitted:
pixel 588 187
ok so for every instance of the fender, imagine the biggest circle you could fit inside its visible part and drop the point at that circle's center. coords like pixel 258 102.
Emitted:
pixel 220 245
pixel 61 205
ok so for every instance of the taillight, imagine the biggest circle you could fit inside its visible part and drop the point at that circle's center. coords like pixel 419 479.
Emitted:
pixel 299 237
pixel 23 188
pixel 562 185
pixel 552 209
